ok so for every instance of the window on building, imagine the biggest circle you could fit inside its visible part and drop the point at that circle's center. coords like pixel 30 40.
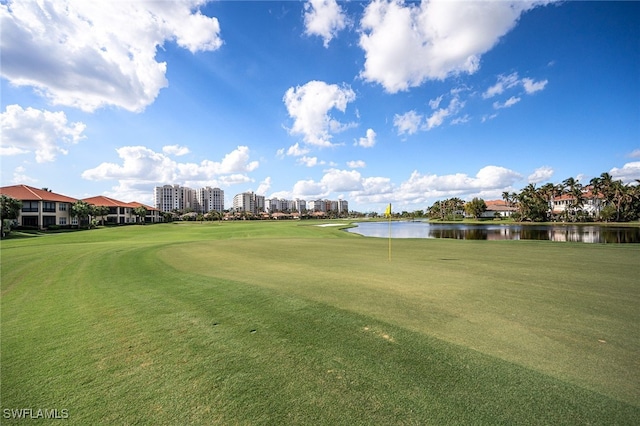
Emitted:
pixel 62 207
pixel 30 206
pixel 48 206
pixel 62 221
pixel 48 220
pixel 29 220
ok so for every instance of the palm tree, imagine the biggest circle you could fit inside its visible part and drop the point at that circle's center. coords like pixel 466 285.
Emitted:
pixel 507 198
pixel 620 195
pixel 549 192
pixel 601 188
pixel 573 188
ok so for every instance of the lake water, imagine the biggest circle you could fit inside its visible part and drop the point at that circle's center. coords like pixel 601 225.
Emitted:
pixel 574 233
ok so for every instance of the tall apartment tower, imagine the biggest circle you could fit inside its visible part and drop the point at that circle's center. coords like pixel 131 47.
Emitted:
pixel 248 202
pixel 343 206
pixel 210 199
pixel 317 205
pixel 174 197
pixel 299 205
pixel 167 197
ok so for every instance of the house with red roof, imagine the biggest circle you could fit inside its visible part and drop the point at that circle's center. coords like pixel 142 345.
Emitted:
pixel 121 212
pixel 153 214
pixel 498 208
pixel 590 203
pixel 41 208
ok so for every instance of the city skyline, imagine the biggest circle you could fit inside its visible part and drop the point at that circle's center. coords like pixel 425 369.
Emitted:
pixel 373 102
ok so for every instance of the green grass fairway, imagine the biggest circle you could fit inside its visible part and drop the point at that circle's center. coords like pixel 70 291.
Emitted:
pixel 291 323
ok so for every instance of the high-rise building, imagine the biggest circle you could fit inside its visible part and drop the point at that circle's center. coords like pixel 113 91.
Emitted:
pixel 174 197
pixel 317 205
pixel 343 206
pixel 209 199
pixel 273 205
pixel 248 202
pixel 299 205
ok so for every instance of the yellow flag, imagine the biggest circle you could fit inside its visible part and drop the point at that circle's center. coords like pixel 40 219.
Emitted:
pixel 387 212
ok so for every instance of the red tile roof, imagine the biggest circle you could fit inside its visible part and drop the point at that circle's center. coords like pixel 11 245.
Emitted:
pixel 499 206
pixel 29 193
pixel 101 200
pixel 588 195
pixel 137 204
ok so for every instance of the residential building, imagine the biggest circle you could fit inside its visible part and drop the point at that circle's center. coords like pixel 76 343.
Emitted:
pixel 498 208
pixel 592 204
pixel 41 208
pixel 273 205
pixel 153 214
pixel 121 212
pixel 208 199
pixel 168 198
pixel 299 205
pixel 249 202
pixel 317 205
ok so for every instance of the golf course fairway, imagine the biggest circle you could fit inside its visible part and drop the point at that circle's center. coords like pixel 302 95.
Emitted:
pixel 292 323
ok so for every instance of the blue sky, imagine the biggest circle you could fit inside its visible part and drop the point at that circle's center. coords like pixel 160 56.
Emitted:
pixel 372 102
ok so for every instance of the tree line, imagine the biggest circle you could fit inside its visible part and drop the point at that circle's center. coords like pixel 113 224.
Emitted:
pixel 603 199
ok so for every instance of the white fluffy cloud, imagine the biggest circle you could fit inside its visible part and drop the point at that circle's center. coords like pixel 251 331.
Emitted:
pixel 356 164
pixel 531 86
pixel 42 132
pixel 407 44
pixel 324 18
pixel 506 82
pixel 437 117
pixel 508 103
pixel 308 189
pixel 489 182
pixel 309 106
pixel 176 150
pixel 418 188
pixel 296 151
pixel 87 54
pixel 264 186
pixel 369 140
pixel 309 161
pixel 142 165
pixel 408 123
pixel 375 190
pixel 20 176
pixel 335 180
pixel 628 173
pixel 541 174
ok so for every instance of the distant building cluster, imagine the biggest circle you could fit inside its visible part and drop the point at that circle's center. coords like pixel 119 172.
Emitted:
pixel 170 198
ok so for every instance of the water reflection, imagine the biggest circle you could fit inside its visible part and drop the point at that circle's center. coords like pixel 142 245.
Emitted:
pixel 572 233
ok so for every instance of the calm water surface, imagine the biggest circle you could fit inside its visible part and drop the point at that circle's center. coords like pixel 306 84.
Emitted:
pixel 574 233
